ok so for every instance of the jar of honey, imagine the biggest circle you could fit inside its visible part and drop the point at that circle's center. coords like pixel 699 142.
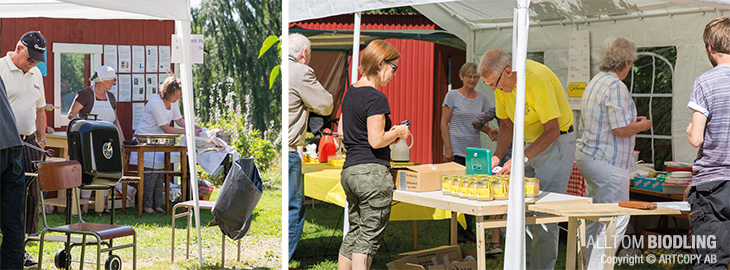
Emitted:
pixel 446 185
pixel 484 191
pixel 532 187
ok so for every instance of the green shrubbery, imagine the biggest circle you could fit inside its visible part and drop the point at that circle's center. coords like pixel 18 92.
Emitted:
pixel 249 142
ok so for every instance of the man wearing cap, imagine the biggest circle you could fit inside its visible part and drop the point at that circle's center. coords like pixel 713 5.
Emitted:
pixel 24 86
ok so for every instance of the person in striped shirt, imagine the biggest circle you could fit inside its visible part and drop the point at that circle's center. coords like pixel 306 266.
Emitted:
pixel 709 191
pixel 604 152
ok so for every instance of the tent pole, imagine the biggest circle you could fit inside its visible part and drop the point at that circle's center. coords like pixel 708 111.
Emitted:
pixel 515 247
pixel 182 28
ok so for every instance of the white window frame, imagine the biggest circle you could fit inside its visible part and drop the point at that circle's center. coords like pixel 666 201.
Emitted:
pixel 94 50
pixel 651 96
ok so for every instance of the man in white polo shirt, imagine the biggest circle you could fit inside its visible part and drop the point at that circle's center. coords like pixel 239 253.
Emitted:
pixel 24 86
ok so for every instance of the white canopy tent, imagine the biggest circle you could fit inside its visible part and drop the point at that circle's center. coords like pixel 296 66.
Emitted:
pixel 178 10
pixel 486 24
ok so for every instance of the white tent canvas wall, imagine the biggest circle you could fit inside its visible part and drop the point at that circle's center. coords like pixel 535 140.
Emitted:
pixel 490 24
pixel 178 10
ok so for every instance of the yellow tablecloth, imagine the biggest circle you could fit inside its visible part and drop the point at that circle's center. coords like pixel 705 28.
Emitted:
pixel 325 186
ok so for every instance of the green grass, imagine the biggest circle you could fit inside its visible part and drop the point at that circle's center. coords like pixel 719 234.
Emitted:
pixel 322 236
pixel 260 249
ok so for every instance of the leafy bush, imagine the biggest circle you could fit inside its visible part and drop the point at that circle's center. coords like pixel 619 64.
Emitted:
pixel 229 117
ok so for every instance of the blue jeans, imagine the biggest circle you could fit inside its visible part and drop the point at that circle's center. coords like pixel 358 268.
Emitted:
pixel 296 201
pixel 12 183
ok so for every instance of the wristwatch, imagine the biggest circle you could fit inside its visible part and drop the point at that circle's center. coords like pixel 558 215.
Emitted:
pixel 526 159
pixel 42 140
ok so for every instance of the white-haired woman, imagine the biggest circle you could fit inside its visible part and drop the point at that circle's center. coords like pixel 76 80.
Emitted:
pixel 604 152
pixel 96 99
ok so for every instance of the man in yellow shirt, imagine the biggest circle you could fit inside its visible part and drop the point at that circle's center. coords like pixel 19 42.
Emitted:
pixel 549 137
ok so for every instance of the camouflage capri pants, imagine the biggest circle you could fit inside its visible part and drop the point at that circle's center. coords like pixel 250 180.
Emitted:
pixel 369 190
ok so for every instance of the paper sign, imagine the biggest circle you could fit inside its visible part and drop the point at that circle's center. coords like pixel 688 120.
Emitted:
pixel 137 112
pixel 125 87
pixel 196 49
pixel 138 86
pixel 110 56
pixel 579 62
pixel 152 86
pixel 125 59
pixel 164 59
pixel 151 52
pixel 138 59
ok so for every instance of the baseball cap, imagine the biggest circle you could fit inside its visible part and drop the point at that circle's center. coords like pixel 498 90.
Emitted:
pixel 103 73
pixel 36 44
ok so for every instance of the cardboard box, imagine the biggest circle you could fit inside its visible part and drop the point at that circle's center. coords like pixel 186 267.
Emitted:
pixel 423 259
pixel 425 177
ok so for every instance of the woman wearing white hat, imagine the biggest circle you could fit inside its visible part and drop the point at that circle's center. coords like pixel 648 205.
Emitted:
pixel 96 99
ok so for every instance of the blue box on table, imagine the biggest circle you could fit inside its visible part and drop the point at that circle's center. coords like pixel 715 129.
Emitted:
pixel 648 183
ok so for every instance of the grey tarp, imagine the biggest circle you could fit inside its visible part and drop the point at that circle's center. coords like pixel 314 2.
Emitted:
pixel 241 192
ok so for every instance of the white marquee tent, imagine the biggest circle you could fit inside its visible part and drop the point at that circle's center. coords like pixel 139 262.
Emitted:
pixel 178 10
pixel 489 24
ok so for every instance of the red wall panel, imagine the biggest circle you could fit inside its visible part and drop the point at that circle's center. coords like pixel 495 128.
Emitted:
pixel 104 32
pixel 411 93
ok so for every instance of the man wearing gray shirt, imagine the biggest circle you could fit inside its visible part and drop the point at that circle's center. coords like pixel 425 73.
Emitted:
pixel 306 95
pixel 11 187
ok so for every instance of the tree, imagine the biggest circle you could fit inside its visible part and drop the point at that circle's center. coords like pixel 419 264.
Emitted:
pixel 234 31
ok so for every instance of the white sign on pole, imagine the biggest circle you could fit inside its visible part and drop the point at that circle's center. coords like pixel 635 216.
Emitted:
pixel 196 49
pixel 579 66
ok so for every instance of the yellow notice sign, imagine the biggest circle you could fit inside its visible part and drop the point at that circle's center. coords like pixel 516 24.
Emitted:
pixel 575 89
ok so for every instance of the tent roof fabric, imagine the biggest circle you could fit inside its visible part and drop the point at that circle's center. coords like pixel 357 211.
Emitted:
pixel 96 9
pixel 341 40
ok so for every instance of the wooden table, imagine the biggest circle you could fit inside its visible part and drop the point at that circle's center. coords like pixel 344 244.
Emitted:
pixel 58 140
pixel 598 212
pixel 168 171
pixel 479 209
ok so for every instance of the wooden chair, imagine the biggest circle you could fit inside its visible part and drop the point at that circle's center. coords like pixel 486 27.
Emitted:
pixel 189 205
pixel 54 176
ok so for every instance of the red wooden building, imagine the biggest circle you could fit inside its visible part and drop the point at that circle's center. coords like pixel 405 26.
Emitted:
pixel 80 32
pixel 418 89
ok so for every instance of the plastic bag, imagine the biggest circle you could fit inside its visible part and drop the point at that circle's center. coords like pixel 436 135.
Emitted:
pixel 205 188
pixel 239 196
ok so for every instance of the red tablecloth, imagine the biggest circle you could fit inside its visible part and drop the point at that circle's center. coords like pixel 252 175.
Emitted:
pixel 576 185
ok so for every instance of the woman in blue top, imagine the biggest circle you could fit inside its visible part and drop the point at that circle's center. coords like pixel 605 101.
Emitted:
pixel 366 127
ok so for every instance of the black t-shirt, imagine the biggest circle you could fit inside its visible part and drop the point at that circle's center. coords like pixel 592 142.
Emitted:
pixel 359 104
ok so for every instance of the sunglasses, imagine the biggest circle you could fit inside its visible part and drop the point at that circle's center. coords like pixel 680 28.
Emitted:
pixel 395 67
pixel 499 78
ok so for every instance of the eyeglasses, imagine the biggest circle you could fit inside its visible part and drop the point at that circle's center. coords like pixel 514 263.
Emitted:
pixel 30 60
pixel 395 67
pixel 499 78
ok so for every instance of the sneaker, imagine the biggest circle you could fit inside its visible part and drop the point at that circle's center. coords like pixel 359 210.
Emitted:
pixel 29 261
pixel 494 248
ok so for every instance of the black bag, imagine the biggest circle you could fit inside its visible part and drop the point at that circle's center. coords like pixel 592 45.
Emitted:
pixel 238 198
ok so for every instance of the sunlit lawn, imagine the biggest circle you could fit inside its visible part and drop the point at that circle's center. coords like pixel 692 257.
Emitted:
pixel 260 249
